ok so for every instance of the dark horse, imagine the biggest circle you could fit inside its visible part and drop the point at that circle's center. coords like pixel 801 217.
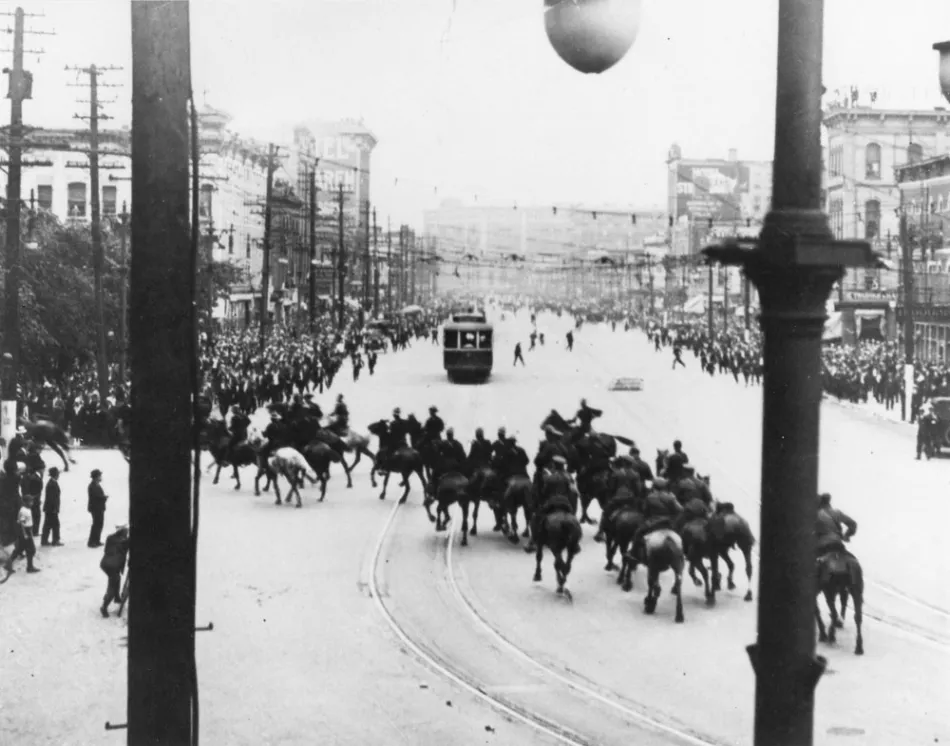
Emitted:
pixel 48 433
pixel 452 487
pixel 243 454
pixel 401 459
pixel 839 575
pixel 560 532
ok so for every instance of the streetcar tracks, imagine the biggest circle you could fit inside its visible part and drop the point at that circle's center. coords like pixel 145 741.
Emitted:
pixel 905 629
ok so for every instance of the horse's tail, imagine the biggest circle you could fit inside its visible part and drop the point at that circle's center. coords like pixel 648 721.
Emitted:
pixel 620 439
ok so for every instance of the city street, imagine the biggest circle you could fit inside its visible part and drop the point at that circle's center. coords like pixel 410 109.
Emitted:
pixel 317 641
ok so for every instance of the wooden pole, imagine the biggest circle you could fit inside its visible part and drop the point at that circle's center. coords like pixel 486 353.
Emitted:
pixel 162 597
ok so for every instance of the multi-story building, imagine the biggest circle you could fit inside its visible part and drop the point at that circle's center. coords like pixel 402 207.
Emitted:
pixel 863 147
pixel 62 187
pixel 712 196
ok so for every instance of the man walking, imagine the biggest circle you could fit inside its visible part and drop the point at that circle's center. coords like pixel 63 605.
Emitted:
pixel 97 509
pixel 518 354
pixel 51 509
pixel 113 565
pixel 24 544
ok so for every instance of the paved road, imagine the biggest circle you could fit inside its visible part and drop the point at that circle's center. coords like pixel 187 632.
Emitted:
pixel 301 648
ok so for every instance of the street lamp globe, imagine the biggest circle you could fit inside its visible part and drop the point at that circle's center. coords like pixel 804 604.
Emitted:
pixel 944 68
pixel 592 35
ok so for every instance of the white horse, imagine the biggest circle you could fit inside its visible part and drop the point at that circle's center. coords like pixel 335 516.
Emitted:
pixel 290 463
pixel 354 442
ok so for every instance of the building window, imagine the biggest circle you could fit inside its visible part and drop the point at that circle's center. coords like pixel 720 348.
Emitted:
pixel 835 159
pixel 44 196
pixel 77 199
pixel 872 159
pixel 204 201
pixel 872 219
pixel 915 153
pixel 108 200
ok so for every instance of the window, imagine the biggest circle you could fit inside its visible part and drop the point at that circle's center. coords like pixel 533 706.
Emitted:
pixel 204 201
pixel 484 340
pixel 872 219
pixel 451 339
pixel 835 161
pixel 872 159
pixel 108 200
pixel 915 153
pixel 44 196
pixel 77 199
pixel 836 217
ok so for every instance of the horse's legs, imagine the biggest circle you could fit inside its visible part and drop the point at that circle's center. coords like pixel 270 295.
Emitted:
pixel 538 556
pixel 257 482
pixel 463 504
pixel 276 489
pixel 822 633
pixel 698 564
pixel 237 477
pixel 59 452
pixel 217 473
pixel 730 581
pixel 474 531
pixel 559 572
pixel 382 495
pixel 405 481
pixel 834 623
pixel 323 478
pixel 346 468
pixel 585 504
pixel 372 471
pixel 295 488
pixel 678 592
pixel 653 591
pixel 610 549
pixel 858 597
pixel 747 554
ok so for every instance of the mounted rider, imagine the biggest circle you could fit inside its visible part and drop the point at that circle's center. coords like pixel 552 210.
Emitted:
pixel 660 508
pixel 833 528
pixel 398 430
pixel 558 495
pixel 500 445
pixel 641 466
pixel 687 487
pixel 238 428
pixel 585 416
pixel 626 490
pixel 480 452
pixel 451 453
pixel 341 417
pixel 433 427
pixel 311 408
pixel 276 434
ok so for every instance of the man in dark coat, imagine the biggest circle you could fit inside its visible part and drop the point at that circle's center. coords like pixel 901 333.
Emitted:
pixel 51 509
pixel 660 508
pixel 113 565
pixel 33 486
pixel 97 508
pixel 556 496
pixel 240 423
pixel 480 452
pixel 434 426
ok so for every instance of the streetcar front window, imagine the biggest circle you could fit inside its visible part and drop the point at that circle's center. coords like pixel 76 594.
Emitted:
pixel 451 339
pixel 484 340
pixel 468 340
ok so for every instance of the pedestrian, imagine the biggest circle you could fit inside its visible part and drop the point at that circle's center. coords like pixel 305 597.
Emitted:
pixel 113 565
pixel 9 502
pixel 33 486
pixel 518 355
pixel 570 340
pixel 678 356
pixel 24 544
pixel 51 509
pixel 97 509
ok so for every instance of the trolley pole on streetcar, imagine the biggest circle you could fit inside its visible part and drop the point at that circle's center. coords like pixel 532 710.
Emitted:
pixel 312 297
pixel 794 264
pixel 161 662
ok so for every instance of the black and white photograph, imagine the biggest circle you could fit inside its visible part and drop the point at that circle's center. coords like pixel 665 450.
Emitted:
pixel 478 372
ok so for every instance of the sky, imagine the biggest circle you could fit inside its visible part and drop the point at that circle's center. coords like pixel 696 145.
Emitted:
pixel 468 100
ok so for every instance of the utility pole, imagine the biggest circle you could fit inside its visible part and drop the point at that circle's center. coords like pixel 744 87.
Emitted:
pixel 390 274
pixel 123 292
pixel 162 697
pixel 98 255
pixel 312 304
pixel 401 298
pixel 367 276
pixel 375 266
pixel 725 300
pixel 745 300
pixel 341 262
pixel 265 267
pixel 709 311
pixel 907 265
pixel 411 244
pixel 20 89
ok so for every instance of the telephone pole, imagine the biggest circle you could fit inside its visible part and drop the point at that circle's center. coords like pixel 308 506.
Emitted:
pixel 123 292
pixel 341 262
pixel 162 704
pixel 390 274
pixel 367 262
pixel 312 303
pixel 375 266
pixel 265 268
pixel 98 256
pixel 20 89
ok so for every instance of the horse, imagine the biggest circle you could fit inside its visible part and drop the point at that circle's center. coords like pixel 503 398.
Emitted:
pixel 662 550
pixel 589 444
pixel 560 532
pixel 519 493
pixel 48 433
pixel 839 574
pixel 619 535
pixel 243 453
pixel 593 486
pixel 452 487
pixel 928 439
pixel 697 547
pixel 358 443
pixel 290 463
pixel 319 455
pixel 727 529
pixel 402 460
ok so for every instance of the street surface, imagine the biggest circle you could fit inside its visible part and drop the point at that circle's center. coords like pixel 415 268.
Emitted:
pixel 304 650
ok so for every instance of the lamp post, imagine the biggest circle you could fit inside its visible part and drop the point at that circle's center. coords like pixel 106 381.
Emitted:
pixel 123 292
pixel 794 264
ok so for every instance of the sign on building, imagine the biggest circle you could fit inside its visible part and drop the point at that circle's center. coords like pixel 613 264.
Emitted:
pixel 711 191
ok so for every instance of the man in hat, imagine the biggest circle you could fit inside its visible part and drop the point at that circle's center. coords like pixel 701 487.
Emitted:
pixel 558 494
pixel 97 508
pixel 398 430
pixel 833 528
pixel 51 509
pixel 24 544
pixel 276 435
pixel 341 416
pixel 433 427
pixel 113 565
pixel 240 423
pixel 32 485
pixel 642 467
pixel 660 508
pixel 626 491
pixel 311 407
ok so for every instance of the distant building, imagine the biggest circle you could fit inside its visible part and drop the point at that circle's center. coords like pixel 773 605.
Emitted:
pixel 863 147
pixel 708 197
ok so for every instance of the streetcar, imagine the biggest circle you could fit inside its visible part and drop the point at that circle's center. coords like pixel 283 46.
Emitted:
pixel 467 342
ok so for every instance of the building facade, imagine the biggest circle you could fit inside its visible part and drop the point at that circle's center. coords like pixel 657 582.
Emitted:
pixel 711 196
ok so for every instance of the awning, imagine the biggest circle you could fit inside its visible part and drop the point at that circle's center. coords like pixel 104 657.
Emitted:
pixel 242 297
pixel 868 313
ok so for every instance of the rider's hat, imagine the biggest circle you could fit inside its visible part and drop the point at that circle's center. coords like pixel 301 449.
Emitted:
pixel 433 409
pixel 559 460
pixel 660 483
pixel 824 497
pixel 397 411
